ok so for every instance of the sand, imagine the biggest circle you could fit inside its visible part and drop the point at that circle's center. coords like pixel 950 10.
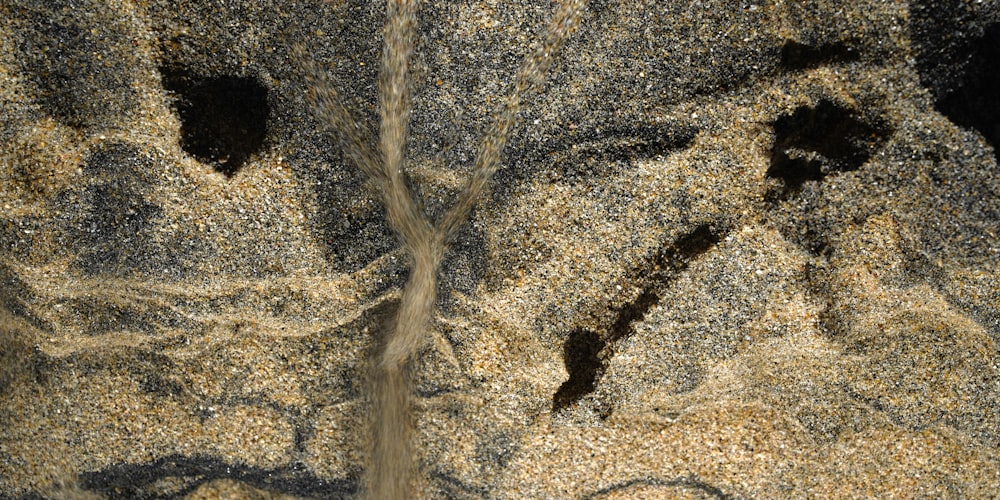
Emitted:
pixel 740 250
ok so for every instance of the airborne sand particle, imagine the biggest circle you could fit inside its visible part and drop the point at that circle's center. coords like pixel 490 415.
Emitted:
pixel 390 462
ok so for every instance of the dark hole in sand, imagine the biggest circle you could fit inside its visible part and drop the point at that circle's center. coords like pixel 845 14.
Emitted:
pixel 580 353
pixel 813 142
pixel 223 118
pixel 800 56
pixel 975 100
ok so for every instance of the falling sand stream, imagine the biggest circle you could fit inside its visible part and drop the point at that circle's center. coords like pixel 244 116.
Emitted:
pixel 390 459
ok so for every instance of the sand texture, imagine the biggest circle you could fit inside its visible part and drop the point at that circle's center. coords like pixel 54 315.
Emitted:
pixel 732 250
